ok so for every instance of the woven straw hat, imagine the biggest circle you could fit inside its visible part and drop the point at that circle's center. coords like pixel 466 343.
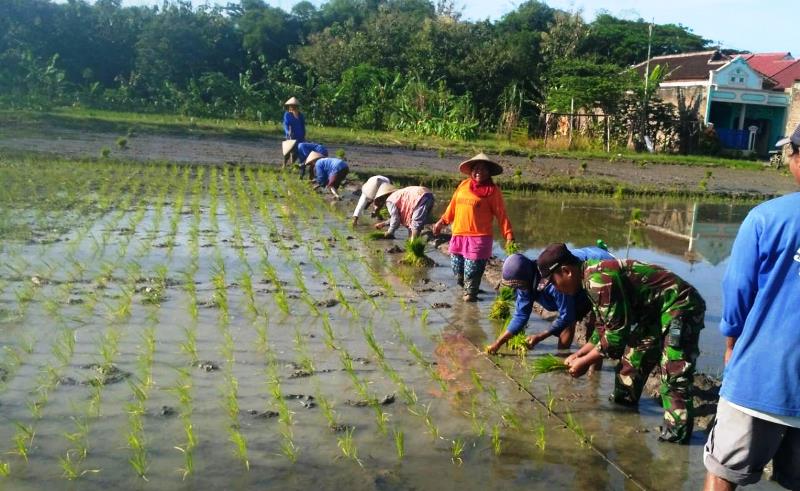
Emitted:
pixel 385 189
pixel 313 157
pixel 287 146
pixel 292 102
pixel 371 187
pixel 466 166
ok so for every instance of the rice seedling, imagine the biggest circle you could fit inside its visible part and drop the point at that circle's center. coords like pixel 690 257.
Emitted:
pixel 376 235
pixel 576 428
pixel 415 253
pixel 23 440
pixel 496 442
pixel 541 440
pixel 5 469
pixel 240 446
pixel 518 344
pixel 348 447
pixel 546 364
pixel 456 451
pixel 512 247
pixel 551 400
pixel 399 443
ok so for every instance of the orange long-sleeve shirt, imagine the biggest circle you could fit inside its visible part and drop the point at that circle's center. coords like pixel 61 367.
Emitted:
pixel 470 215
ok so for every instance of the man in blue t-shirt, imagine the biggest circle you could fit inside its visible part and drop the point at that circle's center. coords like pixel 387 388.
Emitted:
pixel 758 416
pixel 521 273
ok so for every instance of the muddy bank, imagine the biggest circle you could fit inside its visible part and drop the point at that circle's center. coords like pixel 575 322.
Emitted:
pixel 547 172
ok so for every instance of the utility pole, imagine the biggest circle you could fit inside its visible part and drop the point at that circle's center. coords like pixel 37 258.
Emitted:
pixel 647 78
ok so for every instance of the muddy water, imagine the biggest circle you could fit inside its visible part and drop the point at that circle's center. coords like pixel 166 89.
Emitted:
pixel 209 233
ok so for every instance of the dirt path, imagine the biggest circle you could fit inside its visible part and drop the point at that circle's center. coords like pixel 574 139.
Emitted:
pixel 219 149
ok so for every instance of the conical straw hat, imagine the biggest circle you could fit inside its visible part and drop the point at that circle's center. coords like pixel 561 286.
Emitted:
pixel 371 187
pixel 494 168
pixel 288 146
pixel 385 190
pixel 313 157
pixel 292 102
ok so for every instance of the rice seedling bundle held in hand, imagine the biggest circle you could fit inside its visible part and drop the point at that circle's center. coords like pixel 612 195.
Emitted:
pixel 546 364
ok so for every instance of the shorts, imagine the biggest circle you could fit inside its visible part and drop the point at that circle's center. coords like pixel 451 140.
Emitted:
pixel 740 445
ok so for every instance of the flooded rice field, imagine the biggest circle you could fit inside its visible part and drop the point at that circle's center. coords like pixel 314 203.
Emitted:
pixel 183 327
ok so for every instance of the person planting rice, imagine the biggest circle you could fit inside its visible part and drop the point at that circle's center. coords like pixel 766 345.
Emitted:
pixel 521 274
pixel 410 206
pixel 304 150
pixel 474 205
pixel 645 316
pixel 368 192
pixel 327 172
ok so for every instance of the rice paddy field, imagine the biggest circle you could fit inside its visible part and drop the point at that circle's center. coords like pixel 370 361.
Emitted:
pixel 171 326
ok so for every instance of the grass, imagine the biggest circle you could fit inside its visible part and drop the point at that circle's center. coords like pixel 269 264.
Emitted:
pixel 546 364
pixel 122 122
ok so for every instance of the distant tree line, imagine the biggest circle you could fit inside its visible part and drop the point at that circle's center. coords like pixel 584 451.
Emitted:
pixel 411 65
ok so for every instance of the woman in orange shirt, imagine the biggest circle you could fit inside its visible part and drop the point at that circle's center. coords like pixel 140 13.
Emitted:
pixel 475 204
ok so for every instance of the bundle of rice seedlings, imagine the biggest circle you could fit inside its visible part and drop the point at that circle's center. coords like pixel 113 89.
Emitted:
pixel 519 343
pixel 512 247
pixel 415 253
pixel 501 307
pixel 377 235
pixel 546 364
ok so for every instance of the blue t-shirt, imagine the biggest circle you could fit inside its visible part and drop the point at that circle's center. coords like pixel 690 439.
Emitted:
pixel 304 150
pixel 759 294
pixel 294 128
pixel 325 168
pixel 552 299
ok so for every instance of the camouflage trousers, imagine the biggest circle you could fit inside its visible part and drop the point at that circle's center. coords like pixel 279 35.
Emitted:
pixel 675 351
pixel 468 272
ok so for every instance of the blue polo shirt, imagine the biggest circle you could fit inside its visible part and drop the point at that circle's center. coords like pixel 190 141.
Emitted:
pixel 552 299
pixel 294 128
pixel 759 307
pixel 304 150
pixel 325 168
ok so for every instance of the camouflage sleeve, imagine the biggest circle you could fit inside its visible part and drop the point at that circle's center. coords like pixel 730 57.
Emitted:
pixel 604 287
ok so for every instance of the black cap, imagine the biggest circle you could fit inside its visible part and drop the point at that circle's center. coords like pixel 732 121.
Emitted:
pixel 553 257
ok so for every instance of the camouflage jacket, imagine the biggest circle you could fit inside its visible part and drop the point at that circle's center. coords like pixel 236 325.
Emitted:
pixel 635 302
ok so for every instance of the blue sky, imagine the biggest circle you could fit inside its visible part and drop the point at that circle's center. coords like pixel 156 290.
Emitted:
pixel 756 25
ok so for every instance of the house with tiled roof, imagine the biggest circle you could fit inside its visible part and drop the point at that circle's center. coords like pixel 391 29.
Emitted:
pixel 752 100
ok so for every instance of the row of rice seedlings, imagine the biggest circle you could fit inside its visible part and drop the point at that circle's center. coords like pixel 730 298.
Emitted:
pixel 119 312
pixel 62 350
pixel 135 436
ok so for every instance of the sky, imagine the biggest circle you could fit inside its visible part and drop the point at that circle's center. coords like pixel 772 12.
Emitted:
pixel 753 25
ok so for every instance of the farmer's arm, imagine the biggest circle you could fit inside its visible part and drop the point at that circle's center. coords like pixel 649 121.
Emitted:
pixel 287 128
pixel 740 283
pixel 320 176
pixel 448 216
pixel 611 306
pixel 566 311
pixel 499 211
pixel 394 218
pixel 518 321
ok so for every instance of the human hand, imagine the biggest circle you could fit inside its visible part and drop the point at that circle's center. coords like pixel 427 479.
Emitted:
pixel 571 358
pixel 579 367
pixel 492 349
pixel 437 227
pixel 355 221
pixel 379 225
pixel 530 342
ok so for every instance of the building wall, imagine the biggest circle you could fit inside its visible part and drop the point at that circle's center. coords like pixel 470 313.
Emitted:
pixel 689 95
pixel 794 109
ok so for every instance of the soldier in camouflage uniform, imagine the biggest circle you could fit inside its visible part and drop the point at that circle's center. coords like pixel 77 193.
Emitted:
pixel 646 316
